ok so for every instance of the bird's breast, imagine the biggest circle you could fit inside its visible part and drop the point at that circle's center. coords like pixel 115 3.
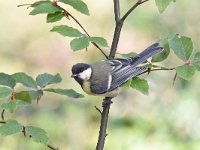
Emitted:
pixel 86 88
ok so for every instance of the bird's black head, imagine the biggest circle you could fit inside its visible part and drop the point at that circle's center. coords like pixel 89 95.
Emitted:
pixel 81 72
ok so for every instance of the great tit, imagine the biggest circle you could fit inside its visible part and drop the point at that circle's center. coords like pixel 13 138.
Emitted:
pixel 104 77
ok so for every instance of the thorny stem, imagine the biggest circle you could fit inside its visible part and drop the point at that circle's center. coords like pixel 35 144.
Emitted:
pixel 107 101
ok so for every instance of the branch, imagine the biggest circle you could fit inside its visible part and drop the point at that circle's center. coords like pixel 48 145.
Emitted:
pixel 107 101
pixel 97 46
pixel 2 122
pixel 118 27
pixel 104 121
pixel 119 23
pixel 139 2
pixel 157 69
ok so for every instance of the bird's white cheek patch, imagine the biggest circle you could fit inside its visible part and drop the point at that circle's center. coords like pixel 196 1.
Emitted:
pixel 86 74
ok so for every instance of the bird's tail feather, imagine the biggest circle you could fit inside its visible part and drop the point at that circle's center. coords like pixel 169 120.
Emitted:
pixel 147 53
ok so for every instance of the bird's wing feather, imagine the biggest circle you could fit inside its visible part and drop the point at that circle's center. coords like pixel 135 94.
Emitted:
pixel 124 75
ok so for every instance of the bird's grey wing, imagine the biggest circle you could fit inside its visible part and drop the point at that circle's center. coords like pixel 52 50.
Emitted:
pixel 123 75
pixel 101 79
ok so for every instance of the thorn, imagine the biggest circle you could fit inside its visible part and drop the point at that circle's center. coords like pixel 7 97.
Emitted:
pixel 174 79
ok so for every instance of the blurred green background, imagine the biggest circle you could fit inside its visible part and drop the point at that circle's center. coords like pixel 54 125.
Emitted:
pixel 167 119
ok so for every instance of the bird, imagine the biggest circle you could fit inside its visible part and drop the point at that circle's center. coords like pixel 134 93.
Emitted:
pixel 102 78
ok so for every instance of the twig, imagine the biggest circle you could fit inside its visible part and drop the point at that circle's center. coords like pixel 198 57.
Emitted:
pixel 51 147
pixel 2 114
pixel 81 26
pixel 139 2
pixel 2 122
pixel 157 69
pixel 97 46
pixel 98 109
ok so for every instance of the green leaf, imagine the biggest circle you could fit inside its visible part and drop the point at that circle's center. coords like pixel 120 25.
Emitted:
pixel 196 61
pixel 7 80
pixel 131 54
pixel 44 8
pixel 78 5
pixel 40 2
pixel 162 4
pixel 45 79
pixel 182 46
pixel 127 84
pixel 99 40
pixel 185 72
pixel 10 107
pixel 37 134
pixel 140 85
pixel 35 94
pixel 79 43
pixel 67 92
pixel 5 92
pixel 53 17
pixel 10 127
pixel 66 31
pixel 23 96
pixel 164 54
pixel 24 79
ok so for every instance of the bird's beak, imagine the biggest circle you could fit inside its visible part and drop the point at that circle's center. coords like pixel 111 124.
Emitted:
pixel 73 75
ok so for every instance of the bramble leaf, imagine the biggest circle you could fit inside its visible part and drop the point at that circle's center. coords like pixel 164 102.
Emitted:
pixel 67 92
pixel 53 17
pixel 66 31
pixel 10 127
pixel 5 92
pixel 45 79
pixel 182 46
pixel 140 85
pixel 7 80
pixel 79 43
pixel 78 5
pixel 164 54
pixel 99 40
pixel 44 8
pixel 185 72
pixel 37 134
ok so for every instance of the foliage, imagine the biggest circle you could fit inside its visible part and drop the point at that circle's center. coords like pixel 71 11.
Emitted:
pixel 13 99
